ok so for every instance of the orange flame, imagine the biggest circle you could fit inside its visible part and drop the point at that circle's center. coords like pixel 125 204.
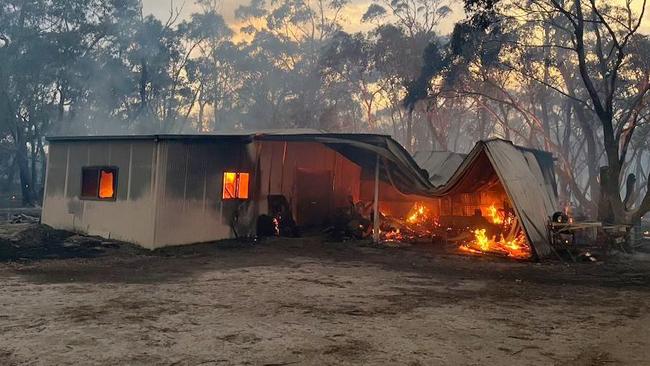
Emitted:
pixel 393 235
pixel 516 247
pixel 481 239
pixel 494 215
pixel 421 223
pixel 418 223
pixel 418 213
pixel 106 184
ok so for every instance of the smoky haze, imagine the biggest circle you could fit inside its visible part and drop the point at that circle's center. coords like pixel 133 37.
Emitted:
pixel 421 71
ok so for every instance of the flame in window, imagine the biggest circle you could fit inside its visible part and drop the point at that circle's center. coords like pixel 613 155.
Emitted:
pixel 229 185
pixel 242 186
pixel 235 185
pixel 106 184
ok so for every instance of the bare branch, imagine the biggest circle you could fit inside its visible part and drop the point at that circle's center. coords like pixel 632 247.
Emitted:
pixel 548 85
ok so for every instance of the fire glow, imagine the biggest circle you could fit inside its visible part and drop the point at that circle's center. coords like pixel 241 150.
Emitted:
pixel 418 213
pixel 514 244
pixel 106 184
pixel 419 224
pixel 494 215
pixel 501 235
pixel 515 247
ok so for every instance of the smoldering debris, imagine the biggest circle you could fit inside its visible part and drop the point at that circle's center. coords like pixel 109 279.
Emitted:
pixel 29 241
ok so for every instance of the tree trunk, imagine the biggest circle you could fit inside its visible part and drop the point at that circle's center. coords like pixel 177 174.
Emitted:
pixel 409 132
pixel 144 79
pixel 482 124
pixel 546 125
pixel 33 157
pixel 605 212
pixel 12 167
pixel 592 158
pixel 61 110
pixel 200 124
pixel 630 187
pixel 23 169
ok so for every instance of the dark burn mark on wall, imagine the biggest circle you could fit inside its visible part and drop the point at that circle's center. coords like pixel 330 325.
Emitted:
pixel 120 153
pixel 174 186
pixel 76 208
pixel 197 166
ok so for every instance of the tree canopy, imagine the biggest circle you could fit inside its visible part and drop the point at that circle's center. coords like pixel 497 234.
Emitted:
pixel 571 77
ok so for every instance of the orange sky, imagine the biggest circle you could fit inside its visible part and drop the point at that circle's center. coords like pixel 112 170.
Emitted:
pixel 353 13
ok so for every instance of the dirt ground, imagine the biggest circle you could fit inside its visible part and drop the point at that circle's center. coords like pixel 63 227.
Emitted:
pixel 309 302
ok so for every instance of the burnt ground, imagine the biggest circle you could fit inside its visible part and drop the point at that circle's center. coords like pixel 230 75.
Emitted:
pixel 307 301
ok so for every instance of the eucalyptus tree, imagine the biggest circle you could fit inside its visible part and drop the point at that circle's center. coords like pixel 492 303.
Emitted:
pixel 348 60
pixel 404 31
pixel 575 58
pixel 47 58
pixel 210 70
pixel 287 38
pixel 601 40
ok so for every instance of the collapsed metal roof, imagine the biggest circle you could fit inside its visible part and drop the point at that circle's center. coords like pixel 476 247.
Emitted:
pixel 440 165
pixel 526 175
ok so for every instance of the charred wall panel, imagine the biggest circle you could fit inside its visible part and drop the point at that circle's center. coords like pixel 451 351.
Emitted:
pixel 196 170
pixel 277 167
pixel 282 162
pixel 213 161
pixel 270 175
pixel 189 207
pixel 176 170
pixel 120 156
pixel 347 181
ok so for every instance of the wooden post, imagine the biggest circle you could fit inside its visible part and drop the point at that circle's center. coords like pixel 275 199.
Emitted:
pixel 375 206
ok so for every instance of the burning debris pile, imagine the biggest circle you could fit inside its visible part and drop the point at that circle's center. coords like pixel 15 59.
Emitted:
pixel 497 233
pixel 419 224
pixel 507 237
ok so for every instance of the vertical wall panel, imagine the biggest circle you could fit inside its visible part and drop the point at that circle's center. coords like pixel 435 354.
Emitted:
pixel 57 164
pixel 78 159
pixel 120 153
pixel 128 219
pixel 99 153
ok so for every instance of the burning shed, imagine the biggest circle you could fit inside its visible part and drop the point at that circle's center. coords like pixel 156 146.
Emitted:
pixel 159 190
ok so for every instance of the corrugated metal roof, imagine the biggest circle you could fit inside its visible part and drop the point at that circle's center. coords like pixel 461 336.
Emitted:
pixel 526 177
pixel 397 165
pixel 440 165
pixel 246 134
